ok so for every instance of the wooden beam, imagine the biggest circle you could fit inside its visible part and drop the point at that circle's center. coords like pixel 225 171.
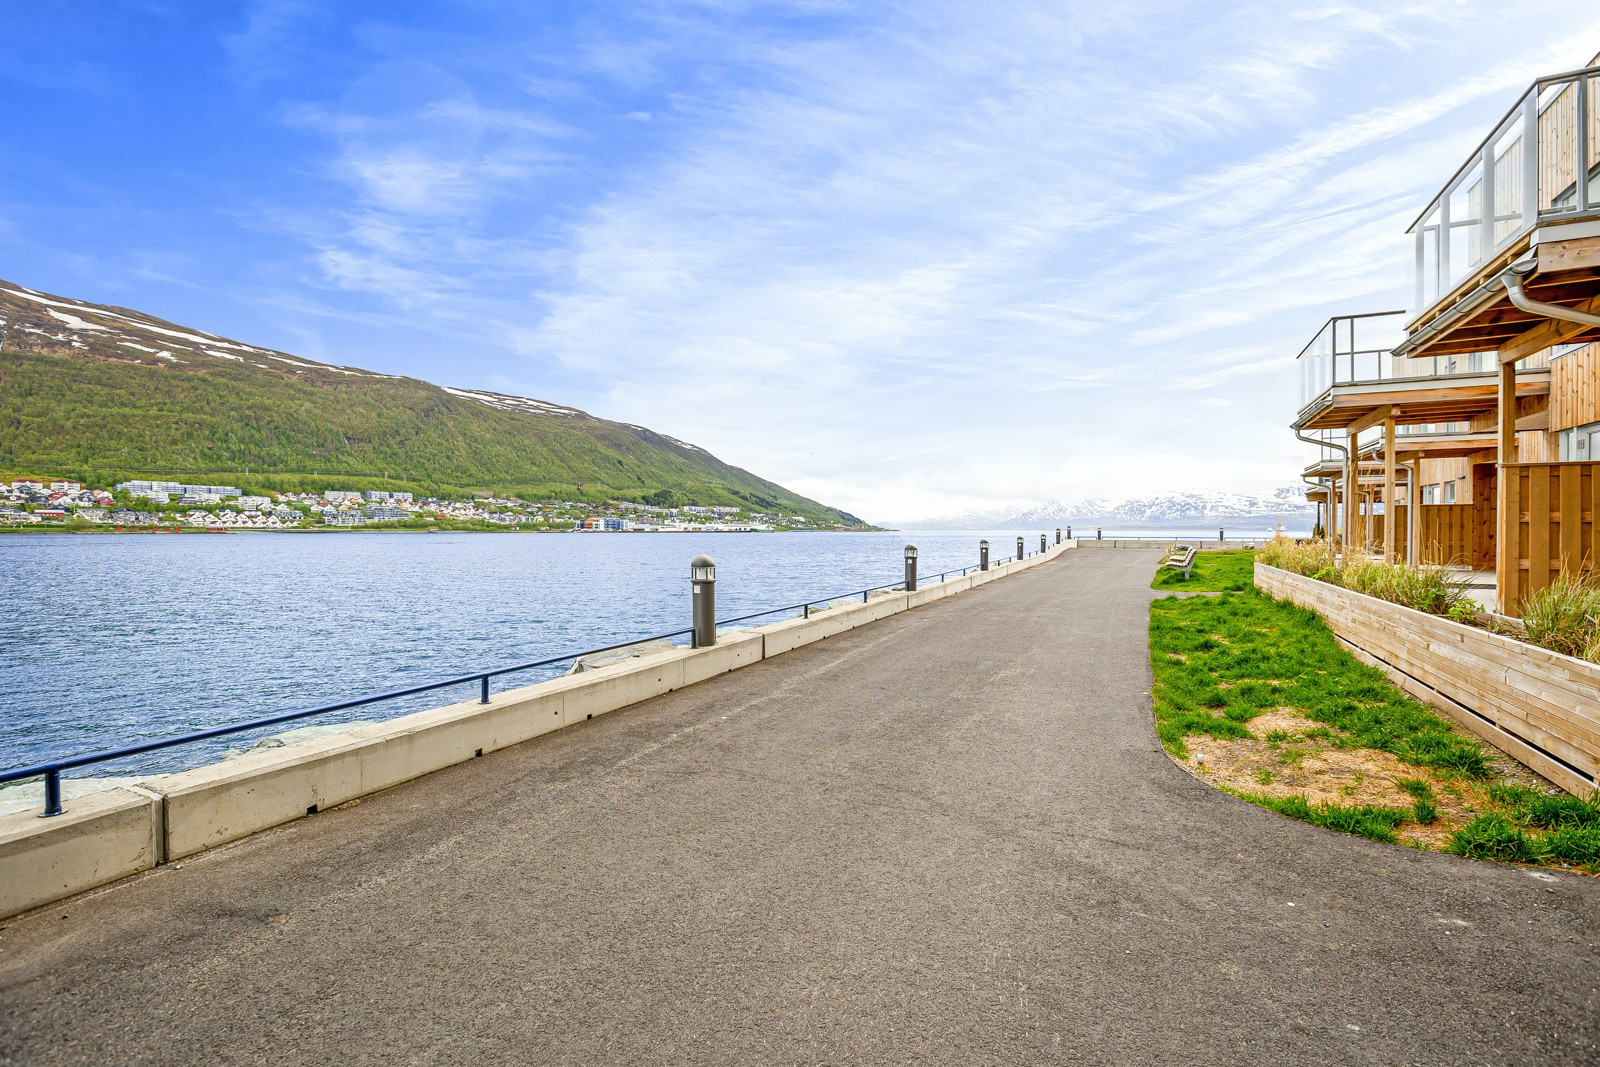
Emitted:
pixel 1577 254
pixel 1541 337
pixel 1539 420
pixel 1375 417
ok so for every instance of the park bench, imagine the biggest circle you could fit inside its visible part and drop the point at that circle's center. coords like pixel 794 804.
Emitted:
pixel 1181 558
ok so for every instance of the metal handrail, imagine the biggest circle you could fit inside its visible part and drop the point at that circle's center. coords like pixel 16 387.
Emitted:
pixel 1538 86
pixel 51 769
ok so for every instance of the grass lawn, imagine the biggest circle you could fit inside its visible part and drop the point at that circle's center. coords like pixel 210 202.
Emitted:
pixel 1255 696
pixel 1214 572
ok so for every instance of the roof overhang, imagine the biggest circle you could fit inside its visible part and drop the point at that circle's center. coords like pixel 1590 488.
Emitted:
pixel 1563 264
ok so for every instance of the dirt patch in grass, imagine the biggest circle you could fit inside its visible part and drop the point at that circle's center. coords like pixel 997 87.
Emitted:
pixel 1255 697
pixel 1288 755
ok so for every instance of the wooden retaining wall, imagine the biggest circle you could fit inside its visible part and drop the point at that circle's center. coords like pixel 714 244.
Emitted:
pixel 1538 706
pixel 1551 511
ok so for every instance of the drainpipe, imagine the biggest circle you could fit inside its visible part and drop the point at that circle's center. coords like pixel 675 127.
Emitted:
pixel 1319 485
pixel 1413 514
pixel 1512 280
pixel 1340 448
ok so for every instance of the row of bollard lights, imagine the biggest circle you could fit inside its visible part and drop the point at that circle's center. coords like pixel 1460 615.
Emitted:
pixel 703 583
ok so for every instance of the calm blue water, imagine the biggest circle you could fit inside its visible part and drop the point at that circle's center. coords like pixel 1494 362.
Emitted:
pixel 109 640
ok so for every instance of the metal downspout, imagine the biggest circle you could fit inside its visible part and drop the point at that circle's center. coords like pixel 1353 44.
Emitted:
pixel 1512 280
pixel 1328 530
pixel 1318 485
pixel 1413 513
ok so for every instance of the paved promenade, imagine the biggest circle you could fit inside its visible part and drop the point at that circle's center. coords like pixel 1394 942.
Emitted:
pixel 949 837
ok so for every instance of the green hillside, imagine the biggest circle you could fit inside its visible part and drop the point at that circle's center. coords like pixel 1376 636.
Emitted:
pixel 103 393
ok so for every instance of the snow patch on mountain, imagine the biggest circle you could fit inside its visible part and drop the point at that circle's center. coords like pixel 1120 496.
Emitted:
pixel 525 405
pixel 1156 512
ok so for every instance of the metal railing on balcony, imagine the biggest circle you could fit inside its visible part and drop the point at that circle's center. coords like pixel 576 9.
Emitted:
pixel 1414 436
pixel 1356 349
pixel 1331 451
pixel 1349 348
pixel 1540 164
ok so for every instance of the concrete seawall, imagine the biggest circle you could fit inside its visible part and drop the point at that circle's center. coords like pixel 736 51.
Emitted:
pixel 126 830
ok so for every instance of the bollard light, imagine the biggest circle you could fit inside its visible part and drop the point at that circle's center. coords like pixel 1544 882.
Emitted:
pixel 1042 544
pixel 1219 535
pixel 911 568
pixel 1097 533
pixel 1019 548
pixel 1058 535
pixel 703 586
pixel 1069 533
pixel 983 555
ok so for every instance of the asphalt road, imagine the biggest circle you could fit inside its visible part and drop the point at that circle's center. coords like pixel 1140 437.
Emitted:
pixel 949 837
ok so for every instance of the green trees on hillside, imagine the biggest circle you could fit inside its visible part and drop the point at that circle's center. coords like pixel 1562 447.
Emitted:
pixel 90 418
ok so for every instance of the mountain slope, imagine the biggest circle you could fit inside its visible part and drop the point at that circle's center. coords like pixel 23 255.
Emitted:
pixel 94 390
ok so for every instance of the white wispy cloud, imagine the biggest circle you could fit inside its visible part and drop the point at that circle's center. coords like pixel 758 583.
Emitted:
pixel 928 256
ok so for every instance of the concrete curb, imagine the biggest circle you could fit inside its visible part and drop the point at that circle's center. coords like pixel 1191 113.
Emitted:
pixel 126 830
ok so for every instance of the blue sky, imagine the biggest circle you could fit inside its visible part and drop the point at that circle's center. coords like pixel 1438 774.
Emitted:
pixel 908 258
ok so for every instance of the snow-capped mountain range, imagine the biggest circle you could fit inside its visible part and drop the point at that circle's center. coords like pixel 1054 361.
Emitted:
pixel 1159 512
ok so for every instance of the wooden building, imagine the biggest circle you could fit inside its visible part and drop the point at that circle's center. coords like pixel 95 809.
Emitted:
pixel 1471 425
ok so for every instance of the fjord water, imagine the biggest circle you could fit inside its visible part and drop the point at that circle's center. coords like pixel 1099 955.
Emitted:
pixel 111 640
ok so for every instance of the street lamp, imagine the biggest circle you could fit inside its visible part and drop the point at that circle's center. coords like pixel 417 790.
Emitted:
pixel 983 555
pixel 911 568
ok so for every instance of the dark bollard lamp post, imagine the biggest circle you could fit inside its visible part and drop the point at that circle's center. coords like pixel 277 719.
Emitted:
pixel 1058 535
pixel 703 583
pixel 911 568
pixel 1042 543
pixel 983 555
pixel 1019 549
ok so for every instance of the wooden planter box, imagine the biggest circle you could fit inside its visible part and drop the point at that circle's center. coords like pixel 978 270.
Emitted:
pixel 1540 707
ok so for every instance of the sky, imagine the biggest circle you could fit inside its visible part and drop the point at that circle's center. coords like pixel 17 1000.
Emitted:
pixel 910 259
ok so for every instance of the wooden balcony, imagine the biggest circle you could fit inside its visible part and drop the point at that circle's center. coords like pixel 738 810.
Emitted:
pixel 1357 406
pixel 1529 197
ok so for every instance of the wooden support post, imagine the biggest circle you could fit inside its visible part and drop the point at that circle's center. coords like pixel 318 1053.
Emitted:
pixel 1391 524
pixel 1505 541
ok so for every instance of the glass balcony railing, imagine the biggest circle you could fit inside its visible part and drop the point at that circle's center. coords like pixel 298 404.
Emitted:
pixel 1415 434
pixel 1355 349
pixel 1349 348
pixel 1433 429
pixel 1541 164
pixel 1325 453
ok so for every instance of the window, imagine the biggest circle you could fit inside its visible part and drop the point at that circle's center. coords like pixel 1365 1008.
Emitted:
pixel 1449 492
pixel 1581 444
pixel 1430 494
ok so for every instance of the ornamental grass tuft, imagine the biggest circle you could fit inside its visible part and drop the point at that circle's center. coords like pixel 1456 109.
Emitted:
pixel 1564 616
pixel 1424 587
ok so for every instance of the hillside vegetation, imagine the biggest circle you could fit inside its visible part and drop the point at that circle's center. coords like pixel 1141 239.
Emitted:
pixel 100 393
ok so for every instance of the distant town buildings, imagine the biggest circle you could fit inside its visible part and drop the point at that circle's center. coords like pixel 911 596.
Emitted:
pixel 150 490
pixel 179 505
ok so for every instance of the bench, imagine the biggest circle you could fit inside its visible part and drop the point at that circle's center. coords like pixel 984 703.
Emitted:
pixel 1181 559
